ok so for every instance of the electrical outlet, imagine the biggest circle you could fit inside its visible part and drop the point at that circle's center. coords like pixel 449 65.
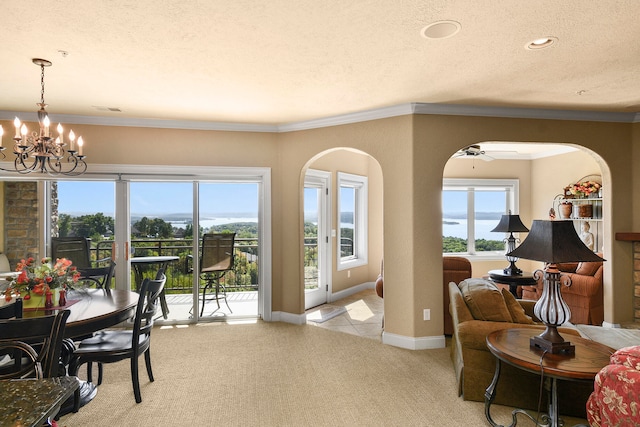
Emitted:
pixel 427 314
pixel 348 273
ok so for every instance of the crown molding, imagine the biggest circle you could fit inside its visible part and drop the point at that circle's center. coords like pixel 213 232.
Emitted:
pixel 342 119
pixel 142 123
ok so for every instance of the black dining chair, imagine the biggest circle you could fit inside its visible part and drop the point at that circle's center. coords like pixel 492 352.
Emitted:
pixel 111 346
pixel 217 256
pixel 12 310
pixel 78 251
pixel 34 345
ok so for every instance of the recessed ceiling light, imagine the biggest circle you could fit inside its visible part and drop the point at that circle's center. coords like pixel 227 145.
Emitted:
pixel 441 30
pixel 541 43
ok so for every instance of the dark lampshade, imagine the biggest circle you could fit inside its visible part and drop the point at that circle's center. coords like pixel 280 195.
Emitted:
pixel 510 223
pixel 554 242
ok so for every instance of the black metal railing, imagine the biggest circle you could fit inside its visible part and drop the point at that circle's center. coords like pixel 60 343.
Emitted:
pixel 243 276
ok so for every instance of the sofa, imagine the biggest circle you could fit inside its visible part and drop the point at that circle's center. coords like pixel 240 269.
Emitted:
pixel 614 401
pixel 585 294
pixel 478 308
pixel 454 269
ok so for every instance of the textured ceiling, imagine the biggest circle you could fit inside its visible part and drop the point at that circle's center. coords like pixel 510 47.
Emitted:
pixel 287 61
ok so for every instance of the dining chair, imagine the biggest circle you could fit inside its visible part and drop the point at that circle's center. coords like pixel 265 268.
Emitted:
pixel 216 258
pixel 12 310
pixel 34 345
pixel 78 250
pixel 112 346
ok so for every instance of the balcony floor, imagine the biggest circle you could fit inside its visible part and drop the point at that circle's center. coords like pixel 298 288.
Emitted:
pixel 242 304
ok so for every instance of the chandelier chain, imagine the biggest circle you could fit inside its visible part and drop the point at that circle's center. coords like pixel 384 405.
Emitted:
pixel 42 83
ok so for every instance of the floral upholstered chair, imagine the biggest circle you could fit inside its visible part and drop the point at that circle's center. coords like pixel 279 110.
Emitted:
pixel 614 401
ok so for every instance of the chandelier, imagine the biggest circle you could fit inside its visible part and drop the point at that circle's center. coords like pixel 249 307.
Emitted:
pixel 40 151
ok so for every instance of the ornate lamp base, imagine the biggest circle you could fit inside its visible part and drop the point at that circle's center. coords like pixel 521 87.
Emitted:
pixel 564 347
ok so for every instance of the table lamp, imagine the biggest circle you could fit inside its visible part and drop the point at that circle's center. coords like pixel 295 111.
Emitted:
pixel 510 224
pixel 553 242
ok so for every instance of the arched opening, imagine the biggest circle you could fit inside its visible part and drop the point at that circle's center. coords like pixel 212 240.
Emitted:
pixel 542 172
pixel 341 200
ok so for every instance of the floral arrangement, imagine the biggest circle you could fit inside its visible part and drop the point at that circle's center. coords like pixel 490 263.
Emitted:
pixel 41 278
pixel 582 189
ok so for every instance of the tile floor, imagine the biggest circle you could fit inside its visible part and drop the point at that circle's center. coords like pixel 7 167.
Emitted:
pixel 363 316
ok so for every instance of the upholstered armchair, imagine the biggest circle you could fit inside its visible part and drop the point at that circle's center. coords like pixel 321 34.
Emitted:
pixel 585 295
pixel 614 401
pixel 478 308
pixel 454 269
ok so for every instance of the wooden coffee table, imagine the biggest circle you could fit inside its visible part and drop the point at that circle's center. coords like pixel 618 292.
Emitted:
pixel 512 346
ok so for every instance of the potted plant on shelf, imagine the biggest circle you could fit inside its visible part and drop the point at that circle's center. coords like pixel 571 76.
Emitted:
pixel 583 189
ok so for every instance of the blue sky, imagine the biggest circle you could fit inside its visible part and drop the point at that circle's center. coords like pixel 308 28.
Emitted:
pixel 153 198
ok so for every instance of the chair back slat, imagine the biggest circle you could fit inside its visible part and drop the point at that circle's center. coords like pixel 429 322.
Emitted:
pixel 147 308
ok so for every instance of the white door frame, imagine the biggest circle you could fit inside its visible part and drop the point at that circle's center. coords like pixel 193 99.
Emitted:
pixel 322 180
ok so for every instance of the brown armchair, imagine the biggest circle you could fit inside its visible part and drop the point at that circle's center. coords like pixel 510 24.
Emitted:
pixel 454 269
pixel 585 295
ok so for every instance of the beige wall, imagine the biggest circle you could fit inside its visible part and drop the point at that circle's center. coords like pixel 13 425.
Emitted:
pixel 412 152
pixel 438 137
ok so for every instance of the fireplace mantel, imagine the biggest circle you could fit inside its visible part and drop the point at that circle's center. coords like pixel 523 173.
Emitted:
pixel 628 237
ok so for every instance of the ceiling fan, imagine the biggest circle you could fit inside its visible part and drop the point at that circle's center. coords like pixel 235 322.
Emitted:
pixel 476 152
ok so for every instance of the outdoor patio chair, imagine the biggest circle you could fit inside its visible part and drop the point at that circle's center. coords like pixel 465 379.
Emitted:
pixel 78 250
pixel 110 346
pixel 216 258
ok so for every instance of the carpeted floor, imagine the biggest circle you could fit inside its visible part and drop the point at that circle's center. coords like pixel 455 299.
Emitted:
pixel 276 374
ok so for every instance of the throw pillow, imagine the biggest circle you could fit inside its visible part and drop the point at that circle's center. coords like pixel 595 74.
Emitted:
pixel 484 300
pixel 515 309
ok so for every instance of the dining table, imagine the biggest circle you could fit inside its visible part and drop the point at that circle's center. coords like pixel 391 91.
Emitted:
pixel 91 310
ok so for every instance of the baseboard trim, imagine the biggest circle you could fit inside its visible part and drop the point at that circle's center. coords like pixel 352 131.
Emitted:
pixel 413 343
pixel 283 316
pixel 611 325
pixel 350 291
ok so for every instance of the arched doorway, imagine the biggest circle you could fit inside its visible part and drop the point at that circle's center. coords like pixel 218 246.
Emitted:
pixel 542 170
pixel 347 252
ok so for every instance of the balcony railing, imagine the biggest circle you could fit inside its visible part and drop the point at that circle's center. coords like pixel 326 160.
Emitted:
pixel 243 276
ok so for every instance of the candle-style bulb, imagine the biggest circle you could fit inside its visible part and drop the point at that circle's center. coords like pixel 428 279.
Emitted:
pixel 46 122
pixel 60 139
pixel 80 144
pixel 72 138
pixel 1 133
pixel 16 123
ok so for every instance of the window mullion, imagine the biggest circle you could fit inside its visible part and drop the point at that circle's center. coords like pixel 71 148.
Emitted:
pixel 471 219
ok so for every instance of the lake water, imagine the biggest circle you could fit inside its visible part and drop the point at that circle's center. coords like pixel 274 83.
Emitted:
pixel 209 222
pixel 483 229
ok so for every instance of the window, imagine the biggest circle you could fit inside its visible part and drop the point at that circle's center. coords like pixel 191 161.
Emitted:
pixel 352 228
pixel 471 209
